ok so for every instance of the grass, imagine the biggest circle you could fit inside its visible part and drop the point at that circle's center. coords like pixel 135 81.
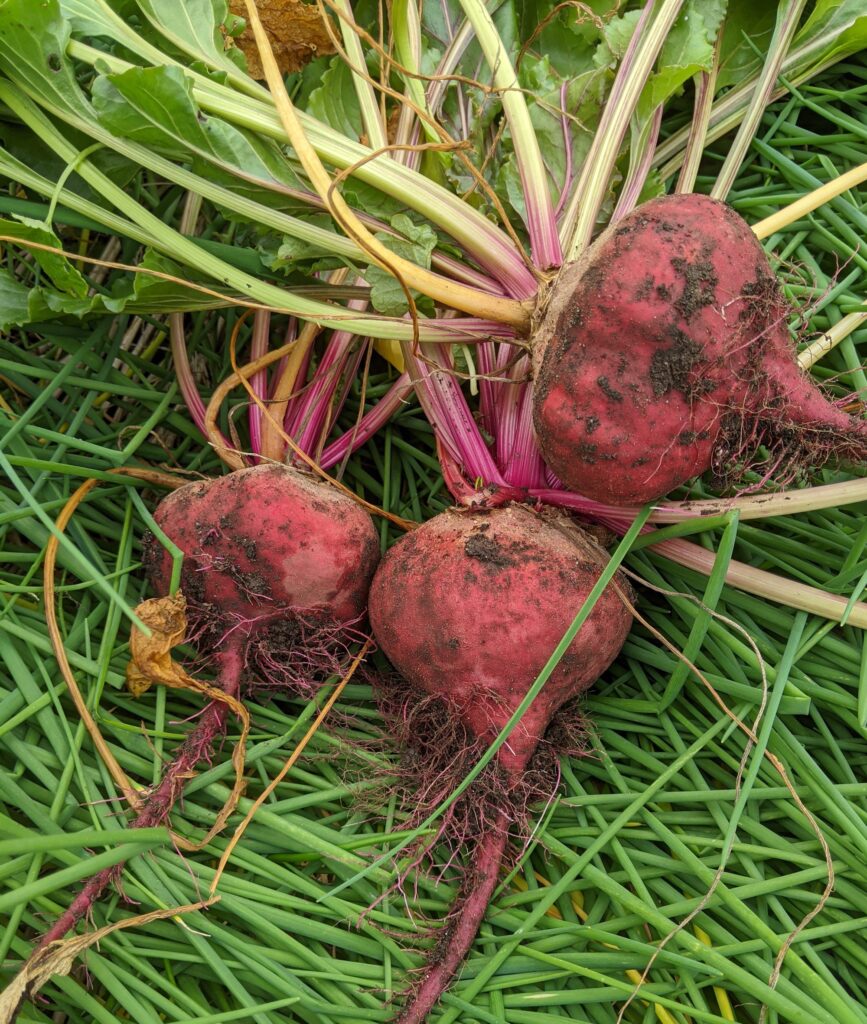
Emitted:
pixel 656 824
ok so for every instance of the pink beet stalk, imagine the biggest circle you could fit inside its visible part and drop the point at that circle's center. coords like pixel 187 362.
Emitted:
pixel 314 412
pixel 446 408
pixel 568 177
pixel 370 423
pixel 259 381
pixel 639 169
pixel 524 466
pixel 486 361
pixel 184 374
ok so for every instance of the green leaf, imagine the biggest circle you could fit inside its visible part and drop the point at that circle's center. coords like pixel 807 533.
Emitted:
pixel 335 101
pixel 421 237
pixel 362 196
pixel 91 18
pixel 20 305
pixel 33 42
pixel 155 295
pixel 746 36
pixel 688 49
pixel 139 293
pixel 58 268
pixel 509 187
pixel 416 244
pixel 285 252
pixel 653 186
pixel 835 29
pixel 194 27
pixel 14 302
pixel 567 39
pixel 21 146
pixel 306 80
pixel 616 35
pixel 155 107
pixel 151 106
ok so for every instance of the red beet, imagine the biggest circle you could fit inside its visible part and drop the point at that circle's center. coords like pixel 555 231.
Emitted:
pixel 277 564
pixel 276 573
pixel 468 608
pixel 664 351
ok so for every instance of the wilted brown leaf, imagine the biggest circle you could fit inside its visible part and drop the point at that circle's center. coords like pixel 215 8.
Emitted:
pixel 295 29
pixel 59 957
pixel 151 661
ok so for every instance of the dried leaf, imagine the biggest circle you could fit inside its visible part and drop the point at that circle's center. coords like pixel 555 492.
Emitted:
pixel 151 662
pixel 296 31
pixel 58 957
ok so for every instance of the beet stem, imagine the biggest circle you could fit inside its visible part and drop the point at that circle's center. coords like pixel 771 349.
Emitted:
pixel 158 804
pixel 485 871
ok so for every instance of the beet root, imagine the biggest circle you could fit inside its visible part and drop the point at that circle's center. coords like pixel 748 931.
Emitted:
pixel 276 573
pixel 276 563
pixel 468 608
pixel 480 886
pixel 664 351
